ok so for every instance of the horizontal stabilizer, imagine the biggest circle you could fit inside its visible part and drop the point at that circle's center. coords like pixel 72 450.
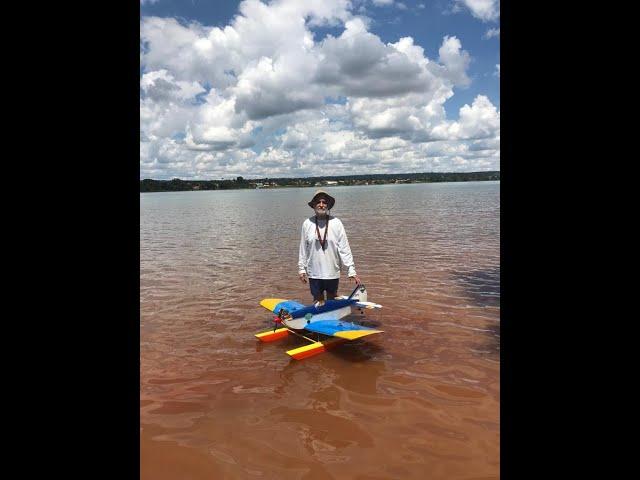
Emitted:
pixel 367 305
pixel 360 304
pixel 340 329
pixel 275 304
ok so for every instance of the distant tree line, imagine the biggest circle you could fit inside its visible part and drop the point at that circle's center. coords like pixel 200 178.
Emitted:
pixel 392 177
pixel 178 185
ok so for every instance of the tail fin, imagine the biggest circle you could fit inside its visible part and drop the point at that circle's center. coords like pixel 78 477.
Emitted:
pixel 359 293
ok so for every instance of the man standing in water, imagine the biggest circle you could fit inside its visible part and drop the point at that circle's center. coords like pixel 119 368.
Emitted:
pixel 324 248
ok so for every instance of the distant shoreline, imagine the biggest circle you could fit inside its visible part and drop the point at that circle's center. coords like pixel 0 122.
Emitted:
pixel 178 185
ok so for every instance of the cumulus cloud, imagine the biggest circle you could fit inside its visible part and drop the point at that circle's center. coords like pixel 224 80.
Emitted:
pixel 161 86
pixel 216 54
pixel 491 33
pixel 485 10
pixel 358 64
pixel 268 88
pixel 262 96
pixel 387 3
pixel 455 61
pixel 414 115
pixel 217 124
pixel 478 121
pixel 321 144
pixel 177 48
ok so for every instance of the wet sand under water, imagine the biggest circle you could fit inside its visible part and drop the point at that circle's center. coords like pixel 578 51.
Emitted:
pixel 418 401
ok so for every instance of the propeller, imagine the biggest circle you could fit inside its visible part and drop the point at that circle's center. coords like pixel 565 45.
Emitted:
pixel 277 320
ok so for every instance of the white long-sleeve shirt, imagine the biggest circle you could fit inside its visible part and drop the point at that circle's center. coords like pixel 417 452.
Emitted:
pixel 325 264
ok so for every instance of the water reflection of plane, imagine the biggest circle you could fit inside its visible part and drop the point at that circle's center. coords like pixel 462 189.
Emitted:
pixel 324 321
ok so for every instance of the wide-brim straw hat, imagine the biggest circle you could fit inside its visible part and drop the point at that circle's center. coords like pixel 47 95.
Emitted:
pixel 321 193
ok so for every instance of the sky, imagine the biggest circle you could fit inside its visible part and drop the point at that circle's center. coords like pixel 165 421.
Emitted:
pixel 301 88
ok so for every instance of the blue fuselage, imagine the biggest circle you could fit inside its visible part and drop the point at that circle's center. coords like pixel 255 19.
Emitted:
pixel 296 311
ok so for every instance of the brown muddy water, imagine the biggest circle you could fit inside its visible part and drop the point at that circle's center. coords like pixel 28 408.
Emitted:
pixel 418 401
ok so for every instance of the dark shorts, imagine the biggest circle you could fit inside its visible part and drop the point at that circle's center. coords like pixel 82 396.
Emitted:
pixel 318 286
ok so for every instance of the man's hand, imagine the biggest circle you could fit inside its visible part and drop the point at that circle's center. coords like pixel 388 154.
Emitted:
pixel 356 278
pixel 303 277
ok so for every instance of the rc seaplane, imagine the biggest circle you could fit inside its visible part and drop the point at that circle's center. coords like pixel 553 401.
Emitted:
pixel 322 321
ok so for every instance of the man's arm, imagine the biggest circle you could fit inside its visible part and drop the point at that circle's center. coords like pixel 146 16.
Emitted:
pixel 302 257
pixel 344 250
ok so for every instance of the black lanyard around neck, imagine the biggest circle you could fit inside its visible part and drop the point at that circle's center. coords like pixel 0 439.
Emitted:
pixel 323 242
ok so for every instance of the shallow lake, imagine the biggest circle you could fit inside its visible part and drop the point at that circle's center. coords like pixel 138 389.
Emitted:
pixel 419 401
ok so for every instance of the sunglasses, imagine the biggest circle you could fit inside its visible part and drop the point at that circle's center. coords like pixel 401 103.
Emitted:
pixel 322 201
